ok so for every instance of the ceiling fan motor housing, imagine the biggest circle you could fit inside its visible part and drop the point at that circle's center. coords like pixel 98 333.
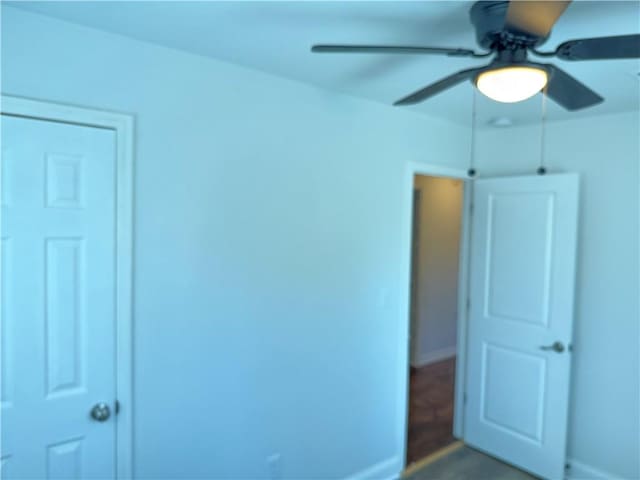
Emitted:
pixel 492 32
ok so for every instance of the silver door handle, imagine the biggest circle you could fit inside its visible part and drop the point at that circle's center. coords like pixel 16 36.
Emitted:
pixel 100 412
pixel 557 347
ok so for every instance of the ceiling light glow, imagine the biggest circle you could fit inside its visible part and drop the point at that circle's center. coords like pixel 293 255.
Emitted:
pixel 511 84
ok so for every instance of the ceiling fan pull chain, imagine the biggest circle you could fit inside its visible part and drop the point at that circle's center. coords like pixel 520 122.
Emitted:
pixel 472 171
pixel 541 167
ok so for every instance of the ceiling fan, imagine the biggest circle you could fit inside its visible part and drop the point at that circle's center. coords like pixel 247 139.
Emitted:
pixel 509 30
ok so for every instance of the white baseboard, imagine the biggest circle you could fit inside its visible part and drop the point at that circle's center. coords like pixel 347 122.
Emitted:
pixel 433 357
pixel 582 471
pixel 385 470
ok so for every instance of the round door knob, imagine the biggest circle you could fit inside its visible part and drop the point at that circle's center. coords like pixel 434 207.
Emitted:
pixel 100 412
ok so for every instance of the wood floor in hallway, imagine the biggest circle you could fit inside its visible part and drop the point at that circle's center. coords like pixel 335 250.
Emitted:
pixel 430 409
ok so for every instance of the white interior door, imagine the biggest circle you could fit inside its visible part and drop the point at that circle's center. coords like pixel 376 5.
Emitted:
pixel 523 252
pixel 58 300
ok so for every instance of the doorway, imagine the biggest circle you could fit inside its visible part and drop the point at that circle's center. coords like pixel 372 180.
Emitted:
pixel 514 317
pixel 66 291
pixel 436 239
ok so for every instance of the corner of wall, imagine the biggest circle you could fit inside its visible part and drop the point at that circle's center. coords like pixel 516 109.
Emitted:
pixel 434 356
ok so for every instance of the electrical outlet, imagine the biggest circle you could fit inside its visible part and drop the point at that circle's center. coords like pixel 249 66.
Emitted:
pixel 274 463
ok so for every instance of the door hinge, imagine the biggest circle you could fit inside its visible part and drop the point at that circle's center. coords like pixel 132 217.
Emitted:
pixel 468 304
pixel 116 408
pixel 464 398
pixel 471 208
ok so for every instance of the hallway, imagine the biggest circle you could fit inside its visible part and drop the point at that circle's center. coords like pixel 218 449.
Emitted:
pixel 430 409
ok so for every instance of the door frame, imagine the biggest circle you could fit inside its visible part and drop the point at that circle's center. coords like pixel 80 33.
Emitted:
pixel 123 127
pixel 413 169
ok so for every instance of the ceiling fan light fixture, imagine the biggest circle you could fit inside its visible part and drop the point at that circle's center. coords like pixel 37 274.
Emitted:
pixel 512 83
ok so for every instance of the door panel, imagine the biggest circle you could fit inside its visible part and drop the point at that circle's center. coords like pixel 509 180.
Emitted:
pixel 519 235
pixel 518 415
pixel 58 299
pixel 521 299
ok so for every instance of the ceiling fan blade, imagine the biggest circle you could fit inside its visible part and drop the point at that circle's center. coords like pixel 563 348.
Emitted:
pixel 439 86
pixel 569 92
pixel 454 52
pixel 535 17
pixel 602 48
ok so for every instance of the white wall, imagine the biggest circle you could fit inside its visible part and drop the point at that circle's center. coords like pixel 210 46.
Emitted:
pixel 436 289
pixel 270 253
pixel 604 426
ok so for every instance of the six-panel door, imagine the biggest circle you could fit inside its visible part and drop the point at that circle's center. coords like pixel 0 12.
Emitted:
pixel 58 299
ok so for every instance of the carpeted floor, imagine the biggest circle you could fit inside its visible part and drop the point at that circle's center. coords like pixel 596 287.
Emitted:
pixel 465 463
pixel 430 409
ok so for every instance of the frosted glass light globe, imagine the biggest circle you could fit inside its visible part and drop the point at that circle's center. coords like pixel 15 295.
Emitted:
pixel 511 84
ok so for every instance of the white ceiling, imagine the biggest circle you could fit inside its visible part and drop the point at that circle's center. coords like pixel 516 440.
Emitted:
pixel 275 37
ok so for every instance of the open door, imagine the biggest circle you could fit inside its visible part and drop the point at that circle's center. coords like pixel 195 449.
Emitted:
pixel 521 291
